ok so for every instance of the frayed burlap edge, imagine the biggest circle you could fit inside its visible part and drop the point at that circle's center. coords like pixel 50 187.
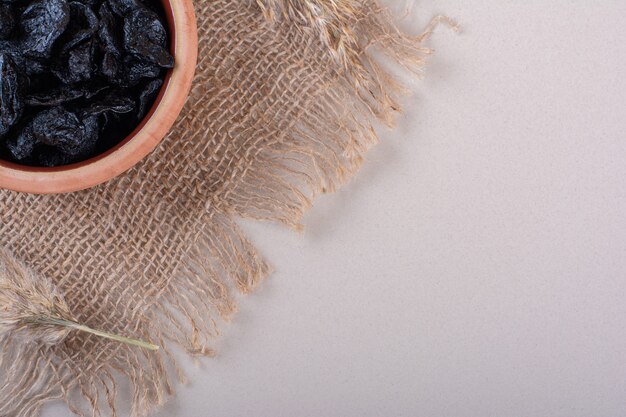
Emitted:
pixel 322 146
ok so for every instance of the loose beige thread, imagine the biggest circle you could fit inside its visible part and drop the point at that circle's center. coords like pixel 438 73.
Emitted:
pixel 283 108
pixel 331 19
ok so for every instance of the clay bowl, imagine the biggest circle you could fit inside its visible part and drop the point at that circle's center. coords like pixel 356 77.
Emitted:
pixel 168 105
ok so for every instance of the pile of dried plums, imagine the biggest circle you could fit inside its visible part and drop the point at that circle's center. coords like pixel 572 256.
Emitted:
pixel 76 77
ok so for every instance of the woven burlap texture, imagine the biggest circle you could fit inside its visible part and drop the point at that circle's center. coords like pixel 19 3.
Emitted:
pixel 274 118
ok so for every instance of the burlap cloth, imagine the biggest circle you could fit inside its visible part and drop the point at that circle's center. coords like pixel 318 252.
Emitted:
pixel 277 115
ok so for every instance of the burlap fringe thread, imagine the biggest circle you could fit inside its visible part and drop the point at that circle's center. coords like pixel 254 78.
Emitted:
pixel 322 147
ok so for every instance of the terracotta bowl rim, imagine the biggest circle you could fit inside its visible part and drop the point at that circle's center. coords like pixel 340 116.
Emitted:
pixel 136 146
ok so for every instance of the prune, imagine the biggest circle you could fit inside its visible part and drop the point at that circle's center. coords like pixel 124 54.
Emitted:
pixel 82 26
pixel 48 156
pixel 94 88
pixel 59 128
pixel 7 21
pixel 90 3
pixel 108 30
pixel 92 130
pixel 43 22
pixel 110 67
pixel 11 102
pixel 76 64
pixel 110 44
pixel 146 38
pixel 123 7
pixel 135 70
pixel 76 76
pixel 110 103
pixel 54 97
pixel 29 65
pixel 147 96
pixel 21 146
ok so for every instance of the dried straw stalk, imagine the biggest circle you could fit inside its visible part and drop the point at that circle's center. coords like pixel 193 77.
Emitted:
pixel 32 308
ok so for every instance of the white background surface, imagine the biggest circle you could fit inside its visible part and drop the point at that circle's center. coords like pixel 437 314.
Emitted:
pixel 477 265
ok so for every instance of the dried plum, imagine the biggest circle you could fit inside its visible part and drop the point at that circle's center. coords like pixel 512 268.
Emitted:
pixel 54 97
pixel 54 155
pixel 21 147
pixel 77 64
pixel 7 21
pixel 48 156
pixel 92 130
pixel 147 96
pixel 135 70
pixel 59 128
pixel 110 103
pixel 110 68
pixel 110 44
pixel 146 38
pixel 108 31
pixel 11 102
pixel 42 23
pixel 76 76
pixel 29 65
pixel 123 7
pixel 94 88
pixel 82 26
